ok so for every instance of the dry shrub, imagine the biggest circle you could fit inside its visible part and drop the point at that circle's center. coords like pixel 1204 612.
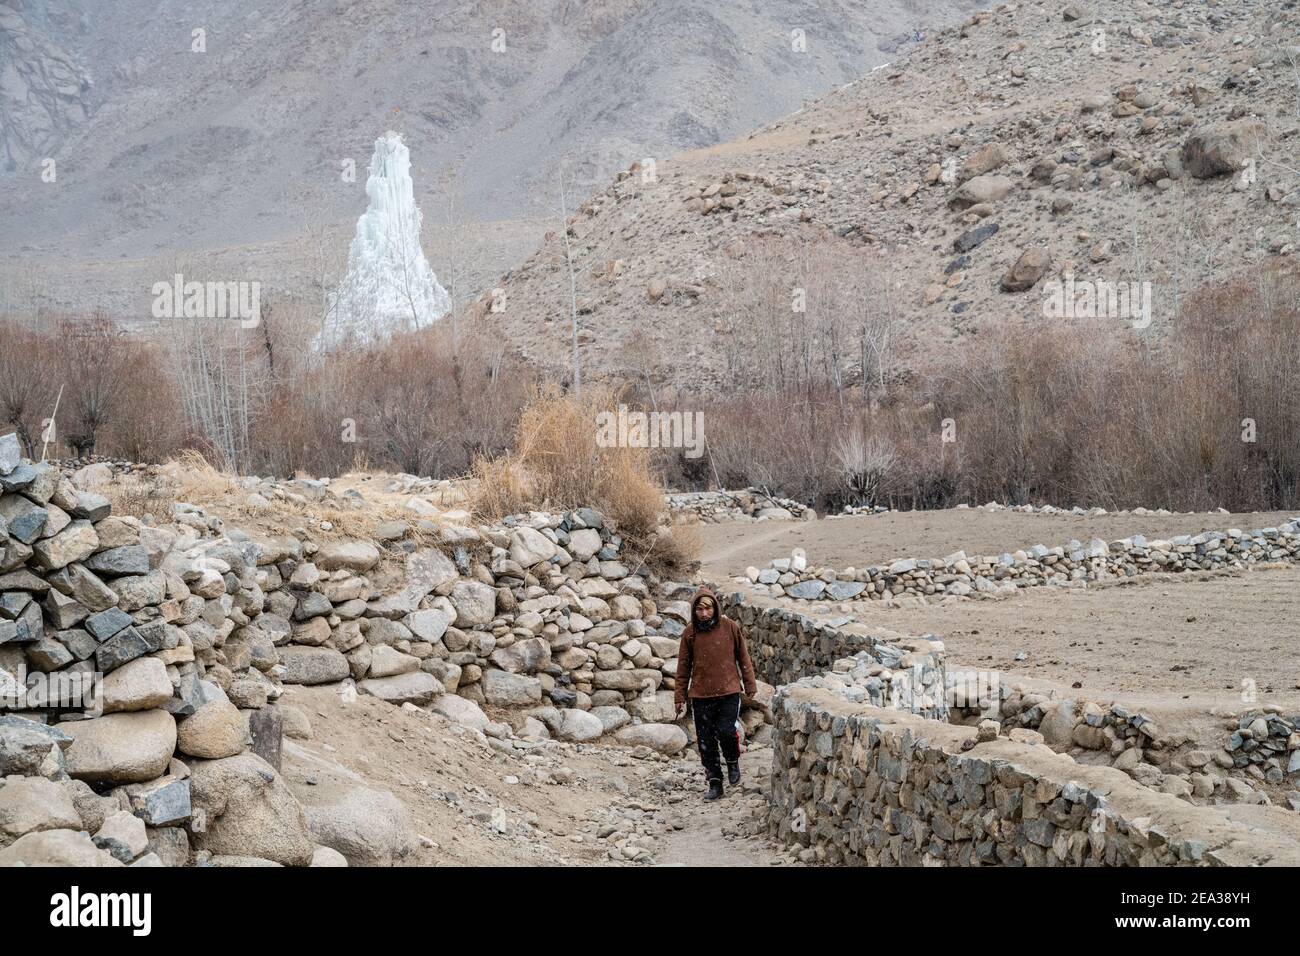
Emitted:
pixel 140 497
pixel 501 487
pixel 557 464
pixel 196 480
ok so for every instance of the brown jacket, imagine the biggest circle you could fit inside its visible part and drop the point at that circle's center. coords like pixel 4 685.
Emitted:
pixel 713 663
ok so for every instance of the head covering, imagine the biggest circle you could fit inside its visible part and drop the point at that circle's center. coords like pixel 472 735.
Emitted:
pixel 700 595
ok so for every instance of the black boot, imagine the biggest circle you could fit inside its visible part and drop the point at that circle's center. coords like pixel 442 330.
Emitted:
pixel 715 790
pixel 733 773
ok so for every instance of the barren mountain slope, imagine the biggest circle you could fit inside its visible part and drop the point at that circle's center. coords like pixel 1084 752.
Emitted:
pixel 1043 125
pixel 203 127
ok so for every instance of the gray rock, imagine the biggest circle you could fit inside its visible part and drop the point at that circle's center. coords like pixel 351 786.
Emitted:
pixel 130 559
pixel 25 744
pixel 417 687
pixel 120 748
pixel 105 624
pixel 313 665
pixel 162 802
pixel 506 689
pixel 11 453
pixel 248 811
pixel 368 827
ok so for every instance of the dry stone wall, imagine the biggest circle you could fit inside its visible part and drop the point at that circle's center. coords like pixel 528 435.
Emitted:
pixel 137 682
pixel 960 575
pixel 901 672
pixel 857 784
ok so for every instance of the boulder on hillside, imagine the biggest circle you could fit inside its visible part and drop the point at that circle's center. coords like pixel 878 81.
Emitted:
pixel 248 810
pixel 368 827
pixel 1221 149
pixel 1027 270
pixel 981 189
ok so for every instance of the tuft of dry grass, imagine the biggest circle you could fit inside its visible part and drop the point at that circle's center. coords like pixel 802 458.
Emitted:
pixel 139 497
pixel 557 464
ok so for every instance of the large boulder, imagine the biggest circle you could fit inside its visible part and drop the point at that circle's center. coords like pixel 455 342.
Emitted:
pixel 611 717
pixel 25 745
pixel 583 544
pixel 56 848
pixel 510 690
pixel 664 738
pixel 475 603
pixel 982 189
pixel 141 684
pixel 579 726
pixel 352 554
pixel 248 810
pixel 1057 726
pixel 1027 270
pixel 529 546
pixel 76 542
pixel 1221 149
pixel 369 827
pixel 461 710
pixel 215 730
pixel 388 661
pixel 120 748
pixel 30 804
pixel 428 625
pixel 527 656
pixel 313 665
pixel 416 687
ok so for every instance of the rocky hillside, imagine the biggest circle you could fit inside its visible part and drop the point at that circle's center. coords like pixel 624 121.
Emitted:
pixel 1117 141
pixel 164 149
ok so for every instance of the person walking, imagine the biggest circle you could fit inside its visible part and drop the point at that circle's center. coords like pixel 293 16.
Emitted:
pixel 713 666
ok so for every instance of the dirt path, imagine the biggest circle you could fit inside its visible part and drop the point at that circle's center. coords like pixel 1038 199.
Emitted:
pixel 554 804
pixel 730 831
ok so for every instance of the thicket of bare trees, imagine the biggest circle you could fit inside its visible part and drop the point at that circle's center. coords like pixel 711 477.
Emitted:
pixel 258 401
pixel 1088 414
pixel 1091 413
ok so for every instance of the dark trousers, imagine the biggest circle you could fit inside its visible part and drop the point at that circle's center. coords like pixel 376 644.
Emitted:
pixel 715 724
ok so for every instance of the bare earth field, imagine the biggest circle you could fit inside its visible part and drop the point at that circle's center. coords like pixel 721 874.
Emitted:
pixel 1175 645
pixel 862 540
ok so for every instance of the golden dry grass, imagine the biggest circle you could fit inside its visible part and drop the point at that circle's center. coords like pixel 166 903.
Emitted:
pixel 558 465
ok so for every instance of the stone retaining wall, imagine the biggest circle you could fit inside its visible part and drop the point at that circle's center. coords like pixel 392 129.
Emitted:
pixel 960 575
pixel 856 784
pixel 747 504
pixel 895 672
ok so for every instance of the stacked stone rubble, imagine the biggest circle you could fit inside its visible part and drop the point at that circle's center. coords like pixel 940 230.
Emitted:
pixel 173 755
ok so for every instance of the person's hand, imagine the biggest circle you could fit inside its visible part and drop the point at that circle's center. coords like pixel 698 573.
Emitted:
pixel 681 710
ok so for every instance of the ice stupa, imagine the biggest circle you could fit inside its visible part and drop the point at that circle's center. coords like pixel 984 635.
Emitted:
pixel 389 286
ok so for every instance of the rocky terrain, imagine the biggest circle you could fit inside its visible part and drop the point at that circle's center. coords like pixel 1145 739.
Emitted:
pixel 1104 140
pixel 512 641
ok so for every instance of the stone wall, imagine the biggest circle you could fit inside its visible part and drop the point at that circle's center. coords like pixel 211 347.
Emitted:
pixel 189 631
pixel 861 785
pixel 891 671
pixel 960 575
pixel 745 505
